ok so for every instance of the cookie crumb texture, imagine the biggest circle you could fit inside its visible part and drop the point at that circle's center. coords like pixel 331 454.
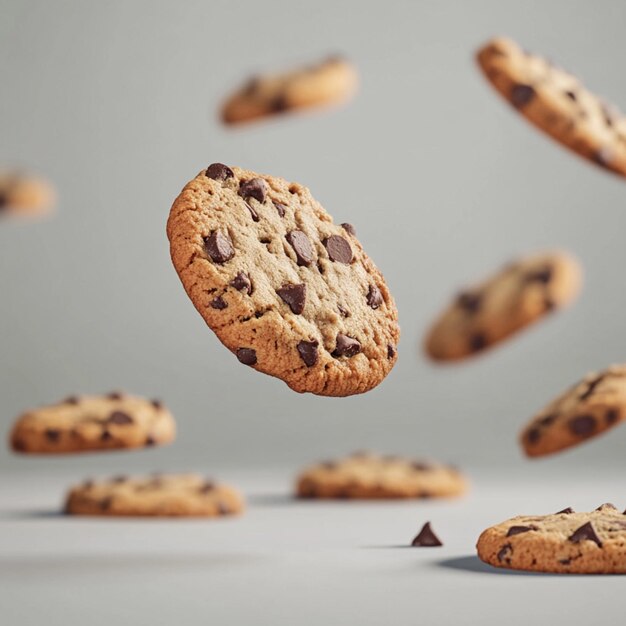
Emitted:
pixel 520 294
pixel 561 543
pixel 591 407
pixel 24 194
pixel 175 495
pixel 286 290
pixel 365 475
pixel 331 81
pixel 557 103
pixel 90 423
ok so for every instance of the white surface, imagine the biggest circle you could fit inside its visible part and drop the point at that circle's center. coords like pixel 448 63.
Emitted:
pixel 289 562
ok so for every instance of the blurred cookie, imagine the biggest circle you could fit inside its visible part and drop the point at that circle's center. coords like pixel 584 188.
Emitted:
pixel 518 295
pixel 365 475
pixel 332 81
pixel 89 423
pixel 561 543
pixel 24 194
pixel 173 495
pixel 557 103
pixel 589 408
pixel 286 290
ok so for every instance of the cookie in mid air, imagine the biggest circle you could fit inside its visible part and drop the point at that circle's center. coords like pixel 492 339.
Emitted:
pixel 365 475
pixel 89 423
pixel 589 408
pixel 562 543
pixel 159 495
pixel 286 290
pixel 24 194
pixel 329 82
pixel 557 103
pixel 520 294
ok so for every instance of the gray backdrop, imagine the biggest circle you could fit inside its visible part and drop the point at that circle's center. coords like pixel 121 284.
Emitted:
pixel 116 102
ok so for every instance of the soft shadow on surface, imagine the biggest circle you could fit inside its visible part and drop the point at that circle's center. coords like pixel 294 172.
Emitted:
pixel 33 514
pixel 272 499
pixel 474 564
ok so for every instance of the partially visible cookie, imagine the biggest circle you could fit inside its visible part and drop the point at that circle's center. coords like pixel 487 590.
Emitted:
pixel 365 475
pixel 24 194
pixel 519 294
pixel 589 408
pixel 331 81
pixel 159 495
pixel 557 103
pixel 88 423
pixel 562 543
pixel 286 290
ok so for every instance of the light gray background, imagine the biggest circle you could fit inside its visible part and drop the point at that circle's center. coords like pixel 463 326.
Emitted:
pixel 116 103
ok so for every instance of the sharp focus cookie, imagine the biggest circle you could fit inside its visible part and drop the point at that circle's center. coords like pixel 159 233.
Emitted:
pixel 589 408
pixel 89 423
pixel 332 81
pixel 364 475
pixel 557 103
pixel 562 543
pixel 175 495
pixel 24 194
pixel 518 295
pixel 286 290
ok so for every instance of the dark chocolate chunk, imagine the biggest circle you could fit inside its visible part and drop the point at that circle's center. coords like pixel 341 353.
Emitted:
pixel 157 404
pixel 607 506
pixel 338 249
pixel 219 247
pixel 280 208
pixel 391 351
pixel 469 302
pixel 477 342
pixel 344 312
pixel 120 418
pixel 603 157
pixel 585 533
pixel 504 555
pixel 115 395
pixel 517 530
pixel 301 245
pixel 294 296
pixel 105 503
pixel 374 298
pixel 582 425
pixel 247 356
pixel 255 188
pixel 106 435
pixel 219 171
pixel 543 275
pixel 346 346
pixel 4 200
pixel 150 441
pixel 521 95
pixel 279 103
pixel 349 228
pixel 566 511
pixel 207 487
pixel 218 303
pixel 571 95
pixel 53 435
pixel 426 538
pixel 241 282
pixel 611 416
pixel 308 352
pixel 71 400
pixel 420 466
pixel 533 435
pixel 119 479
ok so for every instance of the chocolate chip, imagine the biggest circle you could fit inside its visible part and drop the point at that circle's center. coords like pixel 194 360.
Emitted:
pixel 53 435
pixel 219 171
pixel 477 342
pixel 533 435
pixel 612 415
pixel 566 511
pixel 253 213
pixel 344 312
pixel 71 400
pixel 150 441
pixel 607 506
pixel 521 95
pixel 219 247
pixel 115 395
pixel 255 188
pixel 349 228
pixel 241 282
pixel 218 303
pixel 346 346
pixel 374 298
pixel 543 275
pixel 608 114
pixel 106 435
pixel 207 487
pixel 426 538
pixel 247 356
pixel 603 157
pixel 585 533
pixel 119 479
pixel 329 465
pixel 338 249
pixel 547 420
pixel 469 302
pixel 504 555
pixel 157 404
pixel 120 418
pixel 591 387
pixel 301 245
pixel 279 103
pixel 391 351
pixel 4 200
pixel 565 561
pixel 420 466
pixel 281 208
pixel 582 425
pixel 294 296
pixel 308 352
pixel 517 530
pixel 105 503
pixel 571 95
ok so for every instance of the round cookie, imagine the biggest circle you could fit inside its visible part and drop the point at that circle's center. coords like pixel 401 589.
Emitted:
pixel 89 423
pixel 518 295
pixel 286 290
pixel 562 543
pixel 557 103
pixel 175 495
pixel 589 408
pixel 365 475
pixel 331 81
pixel 24 194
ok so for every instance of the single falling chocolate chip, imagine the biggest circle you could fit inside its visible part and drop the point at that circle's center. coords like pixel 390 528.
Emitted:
pixel 477 342
pixel 349 228
pixel 218 303
pixel 115 395
pixel 533 435
pixel 346 346
pixel 469 302
pixel 521 95
pixel 247 356
pixel 301 245
pixel 53 435
pixel 71 400
pixel 241 282
pixel 253 213
pixel 505 553
pixel 607 506
pixel 426 538
pixel 391 351
pixel 219 171
pixel 294 296
pixel 543 275
pixel 603 157
pixel 281 208
pixel 120 418
pixel 582 425
pixel 585 533
pixel 612 415
pixel 338 249
pixel 255 188
pixel 219 247
pixel 207 487
pixel 308 352
pixel 517 530
pixel 374 298
pixel 567 511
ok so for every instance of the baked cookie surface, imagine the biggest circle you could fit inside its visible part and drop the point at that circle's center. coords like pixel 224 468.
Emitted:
pixel 159 495
pixel 557 103
pixel 93 422
pixel 286 290
pixel 365 475
pixel 24 194
pixel 562 543
pixel 589 408
pixel 331 81
pixel 520 294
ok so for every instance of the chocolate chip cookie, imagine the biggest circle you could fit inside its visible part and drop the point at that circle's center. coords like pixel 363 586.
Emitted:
pixel 365 475
pixel 557 103
pixel 174 495
pixel 589 408
pixel 286 290
pixel 89 423
pixel 24 194
pixel 562 543
pixel 332 81
pixel 520 294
